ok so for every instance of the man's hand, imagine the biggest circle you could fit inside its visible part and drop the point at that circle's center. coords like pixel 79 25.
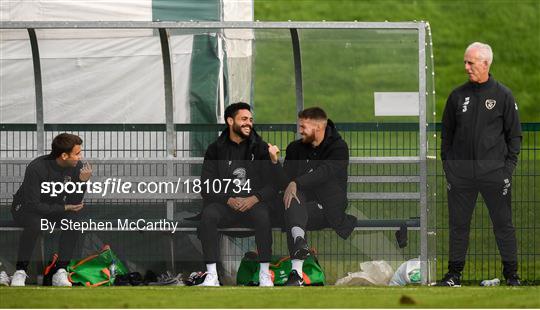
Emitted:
pixel 290 194
pixel 233 203
pixel 273 150
pixel 86 172
pixel 74 208
pixel 247 203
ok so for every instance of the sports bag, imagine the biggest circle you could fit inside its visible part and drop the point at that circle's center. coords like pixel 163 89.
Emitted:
pixel 280 267
pixel 96 270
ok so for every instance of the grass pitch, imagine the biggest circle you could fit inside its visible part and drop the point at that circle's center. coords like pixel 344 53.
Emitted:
pixel 278 297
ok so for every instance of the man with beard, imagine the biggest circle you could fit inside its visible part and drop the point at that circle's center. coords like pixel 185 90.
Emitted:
pixel 314 177
pixel 235 190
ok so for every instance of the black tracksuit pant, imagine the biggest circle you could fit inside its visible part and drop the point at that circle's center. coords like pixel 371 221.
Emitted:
pixel 31 222
pixel 308 215
pixel 462 196
pixel 216 215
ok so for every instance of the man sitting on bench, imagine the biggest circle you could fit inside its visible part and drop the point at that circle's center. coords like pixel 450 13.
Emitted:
pixel 314 177
pixel 31 203
pixel 236 189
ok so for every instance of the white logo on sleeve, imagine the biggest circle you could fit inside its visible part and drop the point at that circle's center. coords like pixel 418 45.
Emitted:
pixel 515 103
pixel 490 103
pixel 465 104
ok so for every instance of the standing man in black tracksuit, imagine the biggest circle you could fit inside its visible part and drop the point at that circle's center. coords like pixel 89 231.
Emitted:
pixel 314 177
pixel 238 160
pixel 481 138
pixel 33 203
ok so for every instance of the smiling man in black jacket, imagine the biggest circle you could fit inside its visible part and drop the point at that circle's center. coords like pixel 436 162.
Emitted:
pixel 32 204
pixel 314 177
pixel 236 189
pixel 481 139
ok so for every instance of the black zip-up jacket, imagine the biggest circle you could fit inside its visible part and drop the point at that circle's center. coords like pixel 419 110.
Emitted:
pixel 45 169
pixel 321 174
pixel 481 132
pixel 249 160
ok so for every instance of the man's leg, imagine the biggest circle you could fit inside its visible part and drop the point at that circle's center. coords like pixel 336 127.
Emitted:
pixel 300 217
pixel 303 216
pixel 213 216
pixel 499 203
pixel 28 239
pixel 258 218
pixel 68 241
pixel 461 203
pixel 27 242
pixel 66 247
pixel 296 220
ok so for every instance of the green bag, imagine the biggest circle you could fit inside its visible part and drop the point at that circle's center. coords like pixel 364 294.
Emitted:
pixel 96 270
pixel 280 267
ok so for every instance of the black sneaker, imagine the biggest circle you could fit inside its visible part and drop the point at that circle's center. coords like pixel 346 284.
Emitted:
pixel 294 279
pixel 301 249
pixel 513 280
pixel 451 280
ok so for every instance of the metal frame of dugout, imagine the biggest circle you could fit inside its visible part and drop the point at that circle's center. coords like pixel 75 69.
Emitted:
pixel 163 28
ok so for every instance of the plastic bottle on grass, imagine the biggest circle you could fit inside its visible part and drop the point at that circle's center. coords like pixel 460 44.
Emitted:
pixel 112 269
pixel 492 282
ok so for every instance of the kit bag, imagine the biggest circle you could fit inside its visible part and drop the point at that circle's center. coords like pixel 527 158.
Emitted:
pixel 97 269
pixel 280 267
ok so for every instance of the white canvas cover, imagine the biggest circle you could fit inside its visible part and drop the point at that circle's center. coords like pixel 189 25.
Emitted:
pixel 239 47
pixel 90 76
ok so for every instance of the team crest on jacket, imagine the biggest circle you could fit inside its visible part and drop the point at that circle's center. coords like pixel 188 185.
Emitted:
pixel 490 104
pixel 240 174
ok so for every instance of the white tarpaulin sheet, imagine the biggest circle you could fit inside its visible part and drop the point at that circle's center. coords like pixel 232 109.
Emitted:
pixel 107 75
pixel 90 76
pixel 238 46
pixel 110 80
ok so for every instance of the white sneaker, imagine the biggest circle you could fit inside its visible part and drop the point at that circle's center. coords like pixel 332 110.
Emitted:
pixel 60 278
pixel 4 279
pixel 211 279
pixel 265 279
pixel 19 278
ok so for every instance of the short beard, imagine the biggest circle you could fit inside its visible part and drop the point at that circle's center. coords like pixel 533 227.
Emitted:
pixel 308 139
pixel 238 130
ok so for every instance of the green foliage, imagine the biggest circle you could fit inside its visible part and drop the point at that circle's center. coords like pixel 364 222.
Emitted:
pixel 510 27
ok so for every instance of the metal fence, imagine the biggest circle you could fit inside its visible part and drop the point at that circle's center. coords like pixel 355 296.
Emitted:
pixel 337 256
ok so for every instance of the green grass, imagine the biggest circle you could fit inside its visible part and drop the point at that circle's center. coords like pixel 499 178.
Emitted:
pixel 343 77
pixel 244 297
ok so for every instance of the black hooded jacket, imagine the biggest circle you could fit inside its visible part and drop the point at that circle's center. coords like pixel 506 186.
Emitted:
pixel 226 160
pixel 321 174
pixel 481 132
pixel 44 168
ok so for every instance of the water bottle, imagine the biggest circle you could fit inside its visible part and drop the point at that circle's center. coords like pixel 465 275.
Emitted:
pixel 493 282
pixel 112 269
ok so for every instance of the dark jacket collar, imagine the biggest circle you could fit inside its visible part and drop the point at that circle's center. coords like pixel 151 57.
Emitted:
pixel 51 161
pixel 481 86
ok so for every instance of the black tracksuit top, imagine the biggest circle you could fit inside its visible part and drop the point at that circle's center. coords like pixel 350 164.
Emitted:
pixel 45 169
pixel 481 131
pixel 224 159
pixel 321 174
